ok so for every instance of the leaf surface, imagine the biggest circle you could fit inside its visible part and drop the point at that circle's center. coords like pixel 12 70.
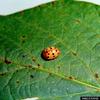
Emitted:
pixel 74 28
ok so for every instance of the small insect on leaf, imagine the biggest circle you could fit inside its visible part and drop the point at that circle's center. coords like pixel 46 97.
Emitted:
pixel 50 53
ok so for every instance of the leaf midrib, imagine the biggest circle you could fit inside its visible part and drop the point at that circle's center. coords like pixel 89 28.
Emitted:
pixel 40 68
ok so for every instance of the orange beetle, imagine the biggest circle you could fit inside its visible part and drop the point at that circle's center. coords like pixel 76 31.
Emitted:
pixel 50 53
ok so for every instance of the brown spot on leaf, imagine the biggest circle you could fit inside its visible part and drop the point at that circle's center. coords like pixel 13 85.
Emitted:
pixel 77 21
pixel 33 59
pixel 17 81
pixel 98 90
pixel 74 53
pixel 59 67
pixel 23 56
pixel 50 73
pixel 22 13
pixel 7 61
pixel 16 70
pixel 96 75
pixel 33 68
pixel 39 6
pixel 30 66
pixel 53 3
pixel 70 77
pixel 38 65
pixel 52 53
pixel 23 41
pixel 31 76
pixel 2 74
pixel 23 38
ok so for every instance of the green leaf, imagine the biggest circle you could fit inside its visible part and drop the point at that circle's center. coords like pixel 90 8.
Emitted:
pixel 74 28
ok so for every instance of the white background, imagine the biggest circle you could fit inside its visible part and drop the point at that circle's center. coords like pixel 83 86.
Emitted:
pixel 11 6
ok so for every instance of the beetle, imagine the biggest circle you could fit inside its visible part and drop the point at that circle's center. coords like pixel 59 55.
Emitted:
pixel 50 53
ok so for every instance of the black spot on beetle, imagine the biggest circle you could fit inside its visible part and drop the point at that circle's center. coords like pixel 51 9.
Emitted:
pixel 48 54
pixel 52 53
pixel 53 56
pixel 46 58
pixel 46 51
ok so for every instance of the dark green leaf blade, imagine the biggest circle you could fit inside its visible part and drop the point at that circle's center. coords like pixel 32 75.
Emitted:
pixel 74 28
